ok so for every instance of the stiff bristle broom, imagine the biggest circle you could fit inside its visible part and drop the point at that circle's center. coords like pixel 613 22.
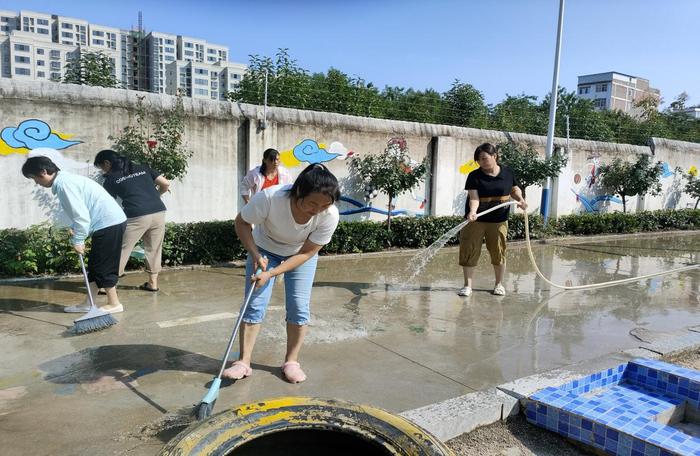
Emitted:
pixel 95 319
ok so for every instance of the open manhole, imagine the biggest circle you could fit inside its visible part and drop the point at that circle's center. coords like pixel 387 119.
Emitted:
pixel 305 426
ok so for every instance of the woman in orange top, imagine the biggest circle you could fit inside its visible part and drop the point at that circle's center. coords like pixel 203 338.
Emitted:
pixel 268 174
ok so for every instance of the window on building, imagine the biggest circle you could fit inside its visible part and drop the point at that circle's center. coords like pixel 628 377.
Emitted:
pixel 211 59
pixel 66 42
pixel 55 76
pixel 22 47
pixel 4 19
pixel 201 81
pixel 54 54
pixel 211 51
pixel 98 33
pixel 601 87
pixel 55 66
pixel 599 103
pixel 201 71
pixel 23 71
pixel 66 25
pixel 169 58
pixel 39 51
pixel 42 31
pixel 189 53
pixel 170 50
pixel 22 59
pixel 584 90
pixel 67 34
pixel 4 28
pixel 40 74
pixel 236 76
pixel 98 42
pixel 40 63
pixel 42 22
pixel 188 45
pixel 204 92
pixel 169 41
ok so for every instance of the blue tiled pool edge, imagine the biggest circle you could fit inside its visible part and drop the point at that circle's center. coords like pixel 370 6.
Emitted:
pixel 618 417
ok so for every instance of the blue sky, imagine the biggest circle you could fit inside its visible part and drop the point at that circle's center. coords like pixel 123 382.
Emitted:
pixel 500 46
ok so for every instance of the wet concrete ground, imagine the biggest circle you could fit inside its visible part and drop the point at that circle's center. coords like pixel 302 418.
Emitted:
pixel 116 391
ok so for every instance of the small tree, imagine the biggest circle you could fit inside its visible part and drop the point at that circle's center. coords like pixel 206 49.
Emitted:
pixel 628 179
pixel 162 148
pixel 91 68
pixel 527 166
pixel 392 172
pixel 692 187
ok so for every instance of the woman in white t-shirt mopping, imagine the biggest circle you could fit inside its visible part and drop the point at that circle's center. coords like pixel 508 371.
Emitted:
pixel 292 223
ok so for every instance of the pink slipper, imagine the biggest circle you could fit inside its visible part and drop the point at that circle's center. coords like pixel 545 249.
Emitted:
pixel 237 371
pixel 292 372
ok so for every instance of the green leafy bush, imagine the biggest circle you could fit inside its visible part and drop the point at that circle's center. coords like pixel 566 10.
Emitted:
pixel 43 250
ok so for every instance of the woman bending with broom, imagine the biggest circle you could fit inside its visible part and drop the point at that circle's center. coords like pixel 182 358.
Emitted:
pixel 93 213
pixel 292 223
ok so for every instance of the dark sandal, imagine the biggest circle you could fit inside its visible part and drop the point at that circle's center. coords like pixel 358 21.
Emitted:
pixel 145 287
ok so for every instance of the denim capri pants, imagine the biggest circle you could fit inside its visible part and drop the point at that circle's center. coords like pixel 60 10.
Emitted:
pixel 297 290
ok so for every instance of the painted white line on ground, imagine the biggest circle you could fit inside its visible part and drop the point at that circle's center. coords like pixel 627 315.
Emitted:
pixel 194 320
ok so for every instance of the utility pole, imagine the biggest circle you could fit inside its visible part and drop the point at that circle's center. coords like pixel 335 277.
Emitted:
pixel 544 206
pixel 263 125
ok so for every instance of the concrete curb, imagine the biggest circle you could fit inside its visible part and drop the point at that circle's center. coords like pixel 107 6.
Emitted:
pixel 453 417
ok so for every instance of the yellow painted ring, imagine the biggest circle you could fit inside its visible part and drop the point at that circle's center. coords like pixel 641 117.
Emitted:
pixel 236 430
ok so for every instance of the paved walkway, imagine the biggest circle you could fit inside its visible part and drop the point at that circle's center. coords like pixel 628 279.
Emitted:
pixel 111 392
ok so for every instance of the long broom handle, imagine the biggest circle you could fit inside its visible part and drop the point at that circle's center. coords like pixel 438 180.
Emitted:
pixel 85 276
pixel 238 325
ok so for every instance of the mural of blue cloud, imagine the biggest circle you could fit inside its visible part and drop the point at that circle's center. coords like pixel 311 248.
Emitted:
pixel 33 134
pixel 666 170
pixel 308 151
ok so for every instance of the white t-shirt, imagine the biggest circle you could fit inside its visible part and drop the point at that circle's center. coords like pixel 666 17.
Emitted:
pixel 275 229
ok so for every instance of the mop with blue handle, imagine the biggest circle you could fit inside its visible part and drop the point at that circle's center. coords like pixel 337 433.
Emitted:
pixel 95 319
pixel 206 406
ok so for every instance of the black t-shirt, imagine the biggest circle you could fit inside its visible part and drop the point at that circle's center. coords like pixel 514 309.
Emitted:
pixel 491 188
pixel 136 189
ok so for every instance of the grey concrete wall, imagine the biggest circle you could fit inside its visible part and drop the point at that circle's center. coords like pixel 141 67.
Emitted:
pixel 91 115
pixel 227 140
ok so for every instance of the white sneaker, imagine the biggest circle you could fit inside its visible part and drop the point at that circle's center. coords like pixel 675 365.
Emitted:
pixel 113 309
pixel 465 291
pixel 499 290
pixel 80 308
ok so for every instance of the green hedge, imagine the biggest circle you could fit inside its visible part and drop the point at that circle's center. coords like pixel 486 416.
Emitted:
pixel 43 250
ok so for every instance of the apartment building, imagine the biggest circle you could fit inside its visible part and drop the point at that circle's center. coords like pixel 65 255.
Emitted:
pixel 39 46
pixel 203 80
pixel 613 90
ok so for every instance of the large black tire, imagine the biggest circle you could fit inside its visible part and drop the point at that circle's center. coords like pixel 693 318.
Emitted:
pixel 305 426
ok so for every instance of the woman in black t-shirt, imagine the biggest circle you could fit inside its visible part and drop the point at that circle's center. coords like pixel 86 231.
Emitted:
pixel 488 186
pixel 139 188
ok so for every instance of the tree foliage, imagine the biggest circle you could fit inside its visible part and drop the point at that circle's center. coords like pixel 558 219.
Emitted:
pixel 91 68
pixel 157 142
pixel 628 179
pixel 392 172
pixel 692 187
pixel 290 85
pixel 527 165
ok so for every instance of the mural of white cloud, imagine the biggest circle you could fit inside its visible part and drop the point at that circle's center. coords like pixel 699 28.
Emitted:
pixel 340 150
pixel 62 162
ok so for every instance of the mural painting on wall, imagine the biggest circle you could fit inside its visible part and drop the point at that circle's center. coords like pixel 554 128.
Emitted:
pixel 585 194
pixel 585 191
pixel 310 152
pixel 398 146
pixel 32 134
